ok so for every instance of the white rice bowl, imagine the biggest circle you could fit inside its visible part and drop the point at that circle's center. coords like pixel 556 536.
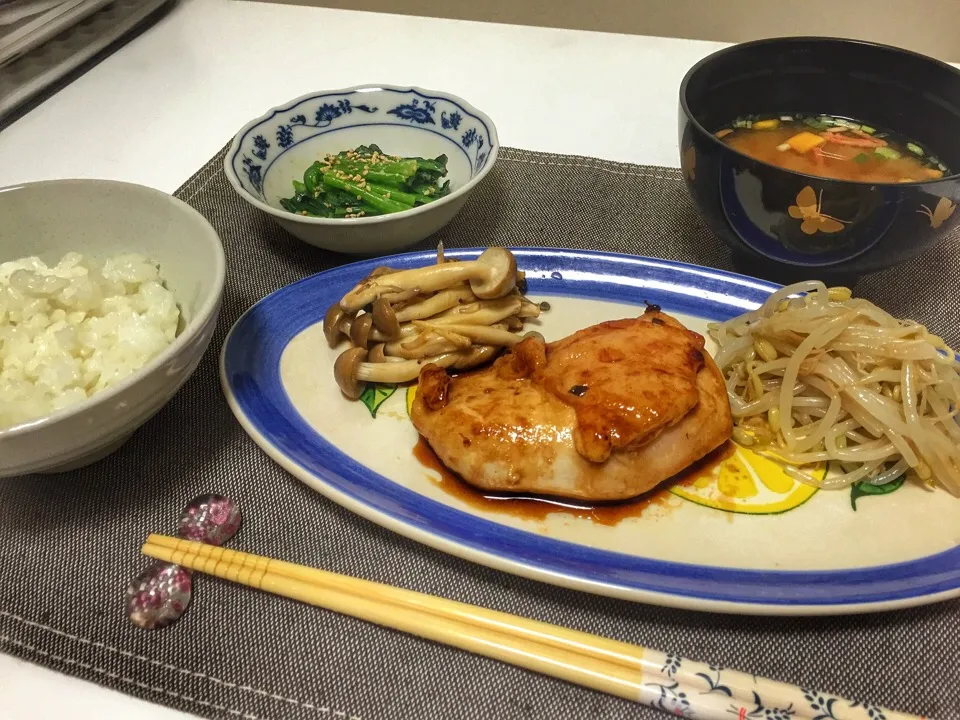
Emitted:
pixel 74 329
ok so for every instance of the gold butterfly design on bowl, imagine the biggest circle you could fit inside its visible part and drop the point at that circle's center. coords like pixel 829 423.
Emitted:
pixel 689 163
pixel 808 208
pixel 940 213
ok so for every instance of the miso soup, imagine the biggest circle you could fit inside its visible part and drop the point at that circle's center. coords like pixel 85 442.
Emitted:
pixel 832 147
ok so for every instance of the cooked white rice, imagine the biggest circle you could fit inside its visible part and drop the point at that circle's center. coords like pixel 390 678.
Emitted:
pixel 69 331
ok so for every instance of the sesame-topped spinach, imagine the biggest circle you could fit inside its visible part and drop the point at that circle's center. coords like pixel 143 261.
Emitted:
pixel 365 182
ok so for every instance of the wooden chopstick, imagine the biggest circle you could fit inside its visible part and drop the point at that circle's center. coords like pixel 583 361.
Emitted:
pixel 537 651
pixel 643 675
pixel 630 656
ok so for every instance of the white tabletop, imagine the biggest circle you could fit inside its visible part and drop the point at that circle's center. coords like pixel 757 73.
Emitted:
pixel 157 110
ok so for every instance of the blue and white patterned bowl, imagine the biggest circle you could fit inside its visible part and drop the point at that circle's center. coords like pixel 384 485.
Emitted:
pixel 273 150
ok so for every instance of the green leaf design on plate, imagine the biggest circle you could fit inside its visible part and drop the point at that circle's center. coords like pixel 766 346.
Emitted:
pixel 374 395
pixel 858 490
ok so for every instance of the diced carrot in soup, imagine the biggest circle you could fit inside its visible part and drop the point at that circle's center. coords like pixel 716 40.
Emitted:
pixel 805 141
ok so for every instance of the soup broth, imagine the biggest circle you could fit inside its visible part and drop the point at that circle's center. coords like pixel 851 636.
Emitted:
pixel 832 147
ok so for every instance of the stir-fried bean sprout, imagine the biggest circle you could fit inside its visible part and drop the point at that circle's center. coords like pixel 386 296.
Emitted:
pixel 815 375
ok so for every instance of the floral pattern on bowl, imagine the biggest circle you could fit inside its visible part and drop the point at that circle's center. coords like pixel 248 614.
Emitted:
pixel 313 115
pixel 269 153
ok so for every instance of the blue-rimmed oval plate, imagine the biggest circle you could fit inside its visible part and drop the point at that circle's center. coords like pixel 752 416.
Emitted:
pixel 739 538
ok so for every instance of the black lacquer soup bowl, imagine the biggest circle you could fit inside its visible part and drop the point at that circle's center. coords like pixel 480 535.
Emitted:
pixel 764 212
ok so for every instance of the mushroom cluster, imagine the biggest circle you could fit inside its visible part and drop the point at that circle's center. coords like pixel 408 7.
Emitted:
pixel 454 314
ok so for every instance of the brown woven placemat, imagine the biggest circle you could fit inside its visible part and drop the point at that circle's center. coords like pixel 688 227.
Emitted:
pixel 69 543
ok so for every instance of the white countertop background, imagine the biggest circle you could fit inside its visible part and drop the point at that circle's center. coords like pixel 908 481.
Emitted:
pixel 158 109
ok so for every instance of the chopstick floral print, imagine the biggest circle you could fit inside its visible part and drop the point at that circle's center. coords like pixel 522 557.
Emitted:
pixel 684 687
pixel 759 710
pixel 672 699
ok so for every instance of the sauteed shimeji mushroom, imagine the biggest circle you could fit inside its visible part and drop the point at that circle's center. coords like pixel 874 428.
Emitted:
pixel 352 371
pixel 454 314
pixel 492 275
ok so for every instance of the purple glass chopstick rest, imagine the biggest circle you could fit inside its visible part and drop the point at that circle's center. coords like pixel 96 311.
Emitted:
pixel 159 596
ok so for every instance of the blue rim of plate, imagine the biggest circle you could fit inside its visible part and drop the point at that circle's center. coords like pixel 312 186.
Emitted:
pixel 250 377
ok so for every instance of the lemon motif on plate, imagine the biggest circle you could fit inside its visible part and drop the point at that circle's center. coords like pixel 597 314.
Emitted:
pixel 745 482
pixel 411 394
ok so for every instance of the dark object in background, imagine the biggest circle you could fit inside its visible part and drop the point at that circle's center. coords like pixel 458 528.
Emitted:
pixel 40 73
pixel 785 224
